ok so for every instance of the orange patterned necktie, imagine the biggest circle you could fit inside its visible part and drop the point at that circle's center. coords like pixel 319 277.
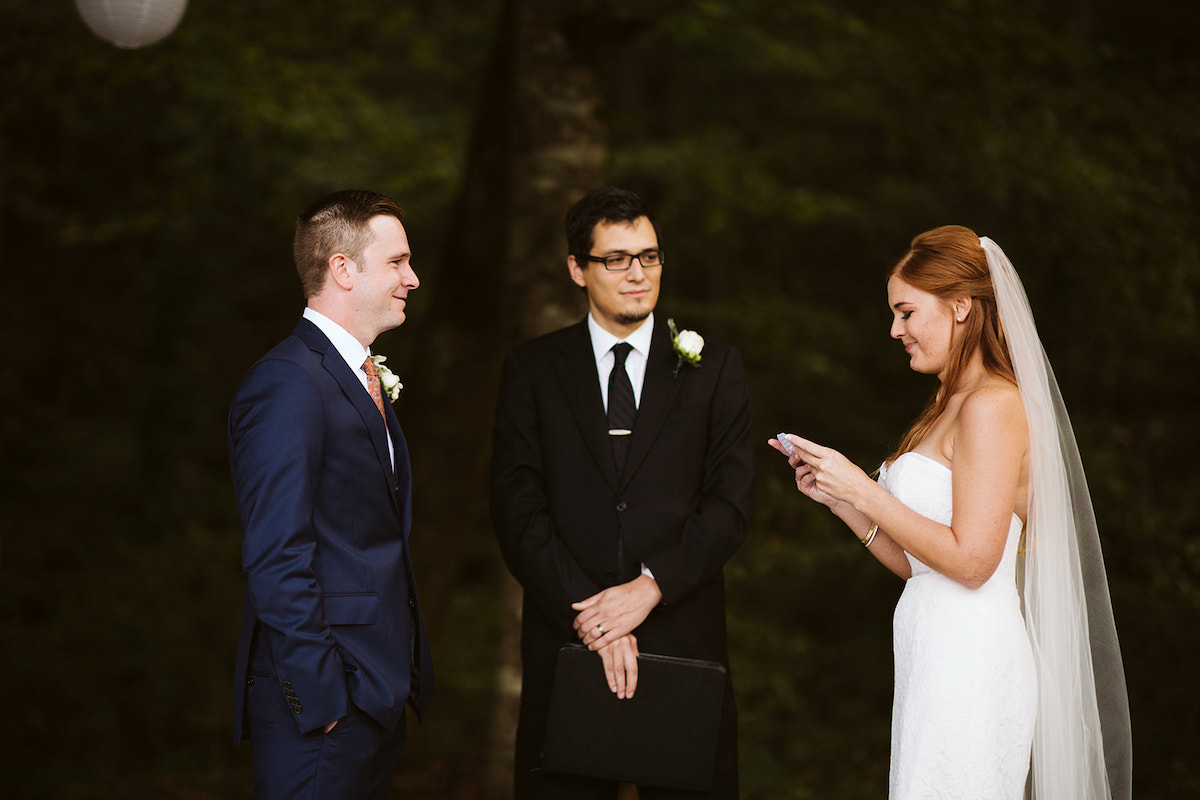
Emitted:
pixel 373 387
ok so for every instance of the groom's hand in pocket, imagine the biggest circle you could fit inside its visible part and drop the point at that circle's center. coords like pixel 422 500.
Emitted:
pixel 620 665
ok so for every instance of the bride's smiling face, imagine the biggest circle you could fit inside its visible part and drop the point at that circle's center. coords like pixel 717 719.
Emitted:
pixel 924 324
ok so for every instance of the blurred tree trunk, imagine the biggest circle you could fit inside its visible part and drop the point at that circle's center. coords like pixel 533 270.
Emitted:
pixel 538 144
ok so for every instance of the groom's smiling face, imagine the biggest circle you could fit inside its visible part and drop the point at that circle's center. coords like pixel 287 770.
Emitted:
pixel 619 300
pixel 383 278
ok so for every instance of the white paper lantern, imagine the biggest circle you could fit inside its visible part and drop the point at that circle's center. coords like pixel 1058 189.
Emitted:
pixel 131 23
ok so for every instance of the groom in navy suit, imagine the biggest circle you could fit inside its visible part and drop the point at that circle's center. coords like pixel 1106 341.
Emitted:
pixel 331 648
pixel 621 484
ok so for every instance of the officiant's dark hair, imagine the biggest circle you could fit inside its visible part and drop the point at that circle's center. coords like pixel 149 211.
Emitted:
pixel 337 223
pixel 607 204
pixel 949 262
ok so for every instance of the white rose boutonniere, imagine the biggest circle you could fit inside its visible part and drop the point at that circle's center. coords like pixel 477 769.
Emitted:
pixel 388 381
pixel 687 344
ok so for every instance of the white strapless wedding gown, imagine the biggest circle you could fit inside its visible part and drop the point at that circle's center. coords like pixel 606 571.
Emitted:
pixel 965 697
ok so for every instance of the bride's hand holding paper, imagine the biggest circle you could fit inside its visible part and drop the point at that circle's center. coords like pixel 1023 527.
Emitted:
pixel 822 473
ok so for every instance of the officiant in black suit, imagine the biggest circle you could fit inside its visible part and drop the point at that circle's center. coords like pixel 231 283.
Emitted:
pixel 621 484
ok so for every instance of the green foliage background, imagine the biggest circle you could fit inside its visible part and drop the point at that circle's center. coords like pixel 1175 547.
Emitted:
pixel 791 149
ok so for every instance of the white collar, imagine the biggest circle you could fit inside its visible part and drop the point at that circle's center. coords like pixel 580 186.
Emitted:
pixel 602 340
pixel 348 347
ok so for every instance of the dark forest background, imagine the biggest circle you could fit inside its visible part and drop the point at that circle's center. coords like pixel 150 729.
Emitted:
pixel 791 150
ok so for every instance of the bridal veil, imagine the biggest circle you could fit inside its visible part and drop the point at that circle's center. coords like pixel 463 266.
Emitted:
pixel 1082 746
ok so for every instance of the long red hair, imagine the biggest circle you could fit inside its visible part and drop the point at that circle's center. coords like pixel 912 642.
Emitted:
pixel 949 262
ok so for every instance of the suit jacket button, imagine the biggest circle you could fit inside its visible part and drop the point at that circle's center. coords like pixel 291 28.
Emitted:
pixel 287 684
pixel 297 708
pixel 289 694
pixel 621 506
pixel 412 603
pixel 250 681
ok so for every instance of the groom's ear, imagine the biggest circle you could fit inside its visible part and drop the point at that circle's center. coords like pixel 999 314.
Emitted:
pixel 341 270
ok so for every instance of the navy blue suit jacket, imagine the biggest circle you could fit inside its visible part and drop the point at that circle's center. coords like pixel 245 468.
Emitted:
pixel 331 611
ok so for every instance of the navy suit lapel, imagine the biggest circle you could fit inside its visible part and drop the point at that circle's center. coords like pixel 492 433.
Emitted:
pixel 581 384
pixel 340 371
pixel 659 388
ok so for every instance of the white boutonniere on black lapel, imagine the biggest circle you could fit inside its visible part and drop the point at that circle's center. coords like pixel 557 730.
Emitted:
pixel 388 381
pixel 687 344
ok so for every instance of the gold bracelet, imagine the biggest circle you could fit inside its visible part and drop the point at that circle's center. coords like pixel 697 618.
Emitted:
pixel 870 537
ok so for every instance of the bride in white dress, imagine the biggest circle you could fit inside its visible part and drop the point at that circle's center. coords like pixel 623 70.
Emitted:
pixel 992 673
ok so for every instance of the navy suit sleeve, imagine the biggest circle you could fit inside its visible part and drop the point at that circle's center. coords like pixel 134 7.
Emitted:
pixel 529 542
pixel 717 527
pixel 276 443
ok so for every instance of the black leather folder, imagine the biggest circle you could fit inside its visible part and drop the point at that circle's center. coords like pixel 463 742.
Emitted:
pixel 665 735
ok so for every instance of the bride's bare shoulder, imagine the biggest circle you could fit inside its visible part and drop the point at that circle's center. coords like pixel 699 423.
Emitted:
pixel 994 405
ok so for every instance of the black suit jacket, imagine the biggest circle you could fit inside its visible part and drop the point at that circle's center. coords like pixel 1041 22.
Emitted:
pixel 569 525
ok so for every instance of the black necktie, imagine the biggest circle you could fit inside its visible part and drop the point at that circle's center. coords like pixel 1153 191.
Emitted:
pixel 622 410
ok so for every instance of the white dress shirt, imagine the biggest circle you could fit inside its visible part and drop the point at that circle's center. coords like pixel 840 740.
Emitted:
pixel 635 362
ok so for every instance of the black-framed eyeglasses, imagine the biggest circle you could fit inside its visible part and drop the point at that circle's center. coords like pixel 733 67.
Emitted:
pixel 618 262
